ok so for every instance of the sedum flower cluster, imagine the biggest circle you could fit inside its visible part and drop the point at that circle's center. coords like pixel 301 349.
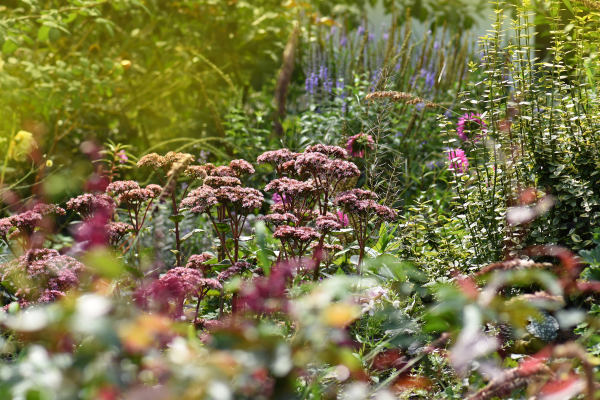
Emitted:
pixel 42 276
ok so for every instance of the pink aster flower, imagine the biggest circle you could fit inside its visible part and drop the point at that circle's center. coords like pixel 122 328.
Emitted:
pixel 458 160
pixel 469 124
pixel 358 144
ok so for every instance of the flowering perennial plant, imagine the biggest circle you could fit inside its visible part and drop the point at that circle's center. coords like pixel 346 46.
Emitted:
pixel 178 284
pixel 30 227
pixel 361 206
pixel 137 200
pixel 89 204
pixel 226 203
pixel 42 276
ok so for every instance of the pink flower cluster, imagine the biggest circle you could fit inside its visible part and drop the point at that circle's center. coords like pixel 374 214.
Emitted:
pixel 117 231
pixel 5 226
pixel 301 234
pixel 198 261
pixel 26 223
pixel 328 223
pixel 277 158
pixel 236 269
pixel 89 204
pixel 363 203
pixel 239 198
pixel 222 181
pixel 200 200
pixel 48 209
pixel 179 283
pixel 277 219
pixel 42 275
pixel 330 151
pixel 320 167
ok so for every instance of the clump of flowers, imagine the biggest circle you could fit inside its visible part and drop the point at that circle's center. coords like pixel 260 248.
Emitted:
pixel 277 158
pixel 198 261
pixel 295 240
pixel 277 219
pixel 297 197
pixel 226 203
pixel 470 123
pixel 117 231
pixel 89 204
pixel 5 227
pixel 42 275
pixel 307 184
pixel 361 206
pixel 137 200
pixel 357 145
pixel 177 285
pixel 458 160
pixel 29 227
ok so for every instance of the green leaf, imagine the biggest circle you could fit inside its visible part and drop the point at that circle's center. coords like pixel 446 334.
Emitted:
pixel 70 18
pixel 10 46
pixel 569 6
pixel 134 271
pixel 189 235
pixel 148 252
pixel 54 34
pixel 103 263
pixel 223 227
pixel 43 33
pixel 177 218
pixel 108 24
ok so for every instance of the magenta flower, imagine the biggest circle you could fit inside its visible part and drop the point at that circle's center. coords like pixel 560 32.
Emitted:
pixel 458 160
pixel 343 219
pixel 122 157
pixel 277 199
pixel 470 123
pixel 358 144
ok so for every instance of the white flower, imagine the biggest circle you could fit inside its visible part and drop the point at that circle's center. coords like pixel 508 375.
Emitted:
pixel 369 307
pixel 396 303
pixel 377 292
